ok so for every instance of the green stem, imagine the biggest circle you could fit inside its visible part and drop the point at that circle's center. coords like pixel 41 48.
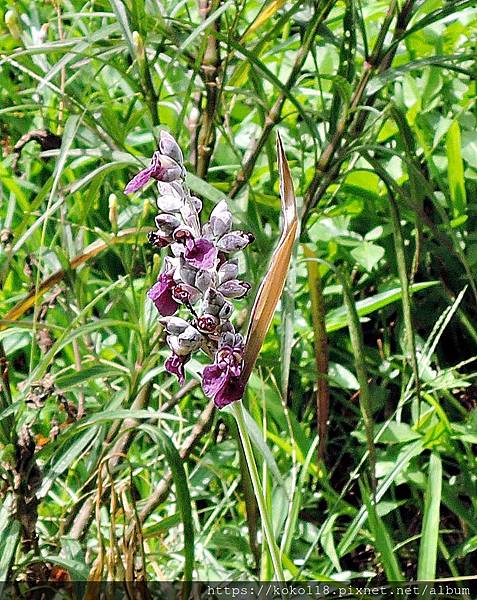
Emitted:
pixel 318 314
pixel 237 411
pixel 357 344
pixel 406 298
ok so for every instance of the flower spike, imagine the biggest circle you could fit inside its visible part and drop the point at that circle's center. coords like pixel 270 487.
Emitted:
pixel 194 291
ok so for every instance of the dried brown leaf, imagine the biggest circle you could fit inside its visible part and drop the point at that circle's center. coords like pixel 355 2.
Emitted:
pixel 272 285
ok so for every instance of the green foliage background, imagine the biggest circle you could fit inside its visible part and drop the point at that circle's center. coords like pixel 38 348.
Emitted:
pixel 108 468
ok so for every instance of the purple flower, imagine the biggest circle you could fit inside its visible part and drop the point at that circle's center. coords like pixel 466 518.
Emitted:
pixel 200 253
pixel 158 239
pixel 162 168
pixel 231 391
pixel 185 293
pixel 222 380
pixel 207 323
pixel 175 365
pixel 161 294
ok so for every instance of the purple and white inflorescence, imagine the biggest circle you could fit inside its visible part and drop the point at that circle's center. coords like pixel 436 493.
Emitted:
pixel 200 276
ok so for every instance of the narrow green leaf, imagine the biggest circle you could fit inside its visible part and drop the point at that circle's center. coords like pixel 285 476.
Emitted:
pixel 113 415
pixel 201 187
pixel 382 538
pixel 184 503
pixel 337 318
pixel 60 463
pixel 123 20
pixel 411 450
pixel 426 566
pixel 9 537
pixel 260 446
pixel 328 542
pixel 455 170
pixel 390 75
pixel 74 378
pixel 296 501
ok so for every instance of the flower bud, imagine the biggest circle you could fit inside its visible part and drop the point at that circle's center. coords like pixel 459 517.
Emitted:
pixel 158 239
pixel 138 46
pixel 182 234
pixel 174 325
pixel 187 272
pixel 228 270
pixel 145 210
pixel 234 288
pixel 227 339
pixel 213 301
pixel 226 311
pixel 234 241
pixel 113 212
pixel 11 22
pixel 239 341
pixel 167 223
pixel 164 168
pixel 156 265
pixel 185 343
pixel 189 213
pixel 203 280
pixel 171 199
pixel 227 327
pixel 220 219
pixel 169 147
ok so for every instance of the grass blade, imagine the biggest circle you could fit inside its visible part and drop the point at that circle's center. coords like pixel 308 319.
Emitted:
pixel 337 318
pixel 426 567
pixel 88 253
pixel 357 345
pixel 382 538
pixel 9 538
pixel 184 503
pixel 237 410
pixel 456 170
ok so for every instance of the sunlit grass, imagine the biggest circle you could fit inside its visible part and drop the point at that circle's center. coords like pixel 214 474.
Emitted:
pixel 376 110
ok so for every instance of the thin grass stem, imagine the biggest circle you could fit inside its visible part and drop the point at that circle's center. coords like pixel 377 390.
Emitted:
pixel 357 344
pixel 406 297
pixel 237 411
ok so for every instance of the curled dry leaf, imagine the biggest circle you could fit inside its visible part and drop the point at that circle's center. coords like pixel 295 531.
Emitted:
pixel 272 286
